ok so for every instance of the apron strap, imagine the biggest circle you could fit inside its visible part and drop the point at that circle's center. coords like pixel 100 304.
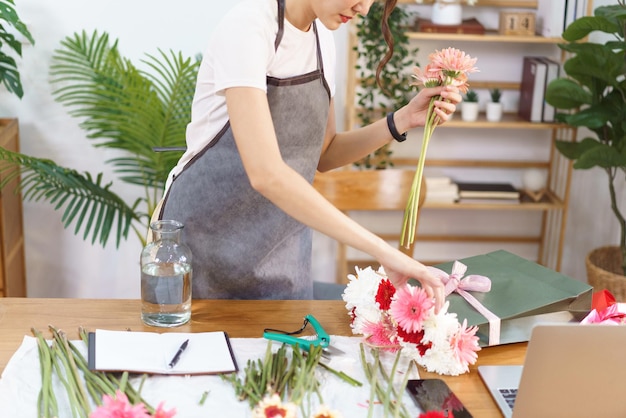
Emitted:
pixel 281 23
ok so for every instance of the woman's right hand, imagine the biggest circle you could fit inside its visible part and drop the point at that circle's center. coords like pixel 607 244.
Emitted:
pixel 399 268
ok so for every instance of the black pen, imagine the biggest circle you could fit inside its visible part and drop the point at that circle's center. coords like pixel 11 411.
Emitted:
pixel 182 348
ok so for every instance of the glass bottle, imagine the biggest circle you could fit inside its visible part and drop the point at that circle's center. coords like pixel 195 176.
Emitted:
pixel 166 277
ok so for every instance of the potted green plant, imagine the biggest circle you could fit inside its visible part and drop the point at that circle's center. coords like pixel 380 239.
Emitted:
pixel 373 100
pixel 469 106
pixel 494 107
pixel 120 107
pixel 9 73
pixel 593 96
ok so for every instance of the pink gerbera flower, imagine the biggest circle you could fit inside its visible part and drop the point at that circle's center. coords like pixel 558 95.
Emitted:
pixel 410 306
pixel 118 406
pixel 452 62
pixel 465 344
pixel 381 334
pixel 428 77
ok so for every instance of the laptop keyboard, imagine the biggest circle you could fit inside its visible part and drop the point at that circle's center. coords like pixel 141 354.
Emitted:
pixel 509 396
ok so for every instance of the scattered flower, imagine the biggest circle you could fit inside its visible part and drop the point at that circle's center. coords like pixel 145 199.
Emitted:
pixel 118 406
pixel 273 407
pixel 324 412
pixel 408 324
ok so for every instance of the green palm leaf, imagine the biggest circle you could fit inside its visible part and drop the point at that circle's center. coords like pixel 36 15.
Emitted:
pixel 120 107
pixel 87 202
pixel 124 107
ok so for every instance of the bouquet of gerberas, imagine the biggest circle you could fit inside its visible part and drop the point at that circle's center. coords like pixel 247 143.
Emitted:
pixel 449 66
pixel 404 320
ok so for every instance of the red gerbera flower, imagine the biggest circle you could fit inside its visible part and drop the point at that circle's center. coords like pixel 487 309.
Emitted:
pixel 384 294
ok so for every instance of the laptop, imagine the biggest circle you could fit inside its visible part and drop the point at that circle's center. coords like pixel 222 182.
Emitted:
pixel 570 370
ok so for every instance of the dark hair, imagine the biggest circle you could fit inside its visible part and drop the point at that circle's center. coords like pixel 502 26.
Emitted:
pixel 384 26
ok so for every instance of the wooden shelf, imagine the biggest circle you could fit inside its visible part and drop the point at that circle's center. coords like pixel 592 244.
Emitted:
pixel 522 4
pixel 489 36
pixel 509 121
pixel 12 258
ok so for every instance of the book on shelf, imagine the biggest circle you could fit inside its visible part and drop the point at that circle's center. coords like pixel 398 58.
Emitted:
pixel 153 353
pixel 488 201
pixel 574 9
pixel 442 193
pixel 532 89
pixel 436 181
pixel 487 191
pixel 551 17
pixel 467 26
pixel 552 73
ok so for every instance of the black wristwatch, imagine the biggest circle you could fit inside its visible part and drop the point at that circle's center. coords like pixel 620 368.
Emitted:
pixel 392 128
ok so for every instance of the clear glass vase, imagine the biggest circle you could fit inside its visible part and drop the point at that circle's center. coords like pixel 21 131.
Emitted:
pixel 166 277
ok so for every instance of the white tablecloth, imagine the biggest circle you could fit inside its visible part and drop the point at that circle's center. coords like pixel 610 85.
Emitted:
pixel 21 381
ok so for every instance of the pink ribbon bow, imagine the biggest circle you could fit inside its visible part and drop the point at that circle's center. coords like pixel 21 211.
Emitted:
pixel 455 282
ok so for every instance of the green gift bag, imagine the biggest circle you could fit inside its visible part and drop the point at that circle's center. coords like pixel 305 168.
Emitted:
pixel 523 293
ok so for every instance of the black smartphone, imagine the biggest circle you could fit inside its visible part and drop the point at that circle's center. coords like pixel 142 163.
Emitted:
pixel 435 395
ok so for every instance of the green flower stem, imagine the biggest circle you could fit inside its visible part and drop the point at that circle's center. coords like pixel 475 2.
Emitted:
pixel 76 382
pixel 382 387
pixel 409 224
pixel 46 406
pixel 65 360
pixel 350 380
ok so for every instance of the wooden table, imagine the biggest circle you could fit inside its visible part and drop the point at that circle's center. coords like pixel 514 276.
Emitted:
pixel 245 319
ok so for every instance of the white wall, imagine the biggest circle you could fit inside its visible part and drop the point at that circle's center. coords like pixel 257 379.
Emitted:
pixel 60 264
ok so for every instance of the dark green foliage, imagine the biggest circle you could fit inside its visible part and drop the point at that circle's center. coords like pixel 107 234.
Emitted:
pixel 374 102
pixel 8 67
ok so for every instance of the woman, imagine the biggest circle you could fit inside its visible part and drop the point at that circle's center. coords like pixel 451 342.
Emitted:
pixel 262 124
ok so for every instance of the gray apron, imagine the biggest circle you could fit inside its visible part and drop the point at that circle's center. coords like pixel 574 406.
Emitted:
pixel 244 247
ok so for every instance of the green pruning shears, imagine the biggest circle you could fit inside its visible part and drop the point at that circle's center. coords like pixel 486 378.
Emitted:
pixel 320 339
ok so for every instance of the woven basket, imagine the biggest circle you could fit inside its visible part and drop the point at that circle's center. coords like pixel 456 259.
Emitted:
pixel 602 263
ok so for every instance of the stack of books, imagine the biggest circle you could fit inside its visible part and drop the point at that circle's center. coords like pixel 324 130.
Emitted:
pixel 537 74
pixel 441 189
pixel 488 193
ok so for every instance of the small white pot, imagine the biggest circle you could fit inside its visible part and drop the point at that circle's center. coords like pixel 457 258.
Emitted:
pixel 445 13
pixel 469 111
pixel 494 112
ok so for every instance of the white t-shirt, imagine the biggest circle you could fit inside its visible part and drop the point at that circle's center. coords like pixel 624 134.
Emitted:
pixel 241 54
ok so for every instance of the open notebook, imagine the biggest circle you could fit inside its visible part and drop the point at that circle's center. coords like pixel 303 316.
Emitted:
pixel 161 353
pixel 570 370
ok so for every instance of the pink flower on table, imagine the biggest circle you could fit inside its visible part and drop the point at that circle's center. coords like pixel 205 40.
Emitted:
pixel 465 344
pixel 162 413
pixel 118 406
pixel 410 307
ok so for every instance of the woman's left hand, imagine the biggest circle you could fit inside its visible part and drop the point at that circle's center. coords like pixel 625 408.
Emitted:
pixel 414 113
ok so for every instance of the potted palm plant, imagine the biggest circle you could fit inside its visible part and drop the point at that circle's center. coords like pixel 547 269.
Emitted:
pixel 593 96
pixel 120 107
